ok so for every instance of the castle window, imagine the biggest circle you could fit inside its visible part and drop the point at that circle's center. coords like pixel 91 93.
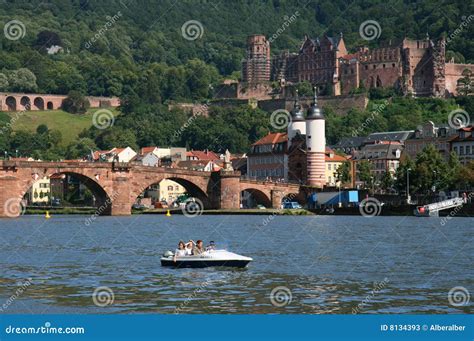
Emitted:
pixel 383 66
pixel 352 71
pixel 374 66
pixel 393 65
pixel 366 67
pixel 309 136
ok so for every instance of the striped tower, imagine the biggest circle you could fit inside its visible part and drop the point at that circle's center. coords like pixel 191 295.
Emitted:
pixel 315 145
pixel 297 123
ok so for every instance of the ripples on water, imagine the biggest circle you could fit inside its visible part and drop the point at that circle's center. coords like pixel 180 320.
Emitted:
pixel 330 264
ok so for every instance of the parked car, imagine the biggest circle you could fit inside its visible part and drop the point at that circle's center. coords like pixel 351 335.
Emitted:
pixel 291 205
pixel 56 202
pixel 261 207
pixel 139 207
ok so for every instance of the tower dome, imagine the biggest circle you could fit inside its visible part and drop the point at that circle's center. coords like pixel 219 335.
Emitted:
pixel 314 112
pixel 297 113
pixel 297 123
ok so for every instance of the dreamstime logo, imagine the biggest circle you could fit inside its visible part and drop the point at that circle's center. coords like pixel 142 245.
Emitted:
pixel 14 30
pixel 103 296
pixel 370 30
pixel 280 119
pixel 107 26
pixel 284 26
pixel 458 119
pixel 103 119
pixel 370 207
pixel 458 296
pixel 193 207
pixel 14 207
pixel 281 296
pixel 192 30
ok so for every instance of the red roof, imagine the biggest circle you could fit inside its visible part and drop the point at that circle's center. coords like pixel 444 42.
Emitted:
pixel 335 158
pixel 350 56
pixel 98 153
pixel 272 138
pixel 146 150
pixel 203 155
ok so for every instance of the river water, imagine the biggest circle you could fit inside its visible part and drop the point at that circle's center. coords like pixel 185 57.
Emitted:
pixel 312 264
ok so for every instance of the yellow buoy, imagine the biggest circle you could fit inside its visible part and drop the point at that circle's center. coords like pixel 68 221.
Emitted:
pixel 47 216
pixel 168 213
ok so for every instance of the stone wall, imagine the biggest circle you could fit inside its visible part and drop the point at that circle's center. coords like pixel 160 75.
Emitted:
pixel 340 104
pixel 453 73
pixel 21 101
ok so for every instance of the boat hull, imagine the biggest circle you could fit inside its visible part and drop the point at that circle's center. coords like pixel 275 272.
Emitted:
pixel 204 263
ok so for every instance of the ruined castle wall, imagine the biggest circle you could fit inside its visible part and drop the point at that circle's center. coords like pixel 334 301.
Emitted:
pixel 453 73
pixel 340 104
pixel 350 77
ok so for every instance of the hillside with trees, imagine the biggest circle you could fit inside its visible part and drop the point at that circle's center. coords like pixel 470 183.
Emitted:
pixel 136 50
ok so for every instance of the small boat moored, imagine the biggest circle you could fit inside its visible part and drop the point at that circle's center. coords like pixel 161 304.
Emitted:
pixel 206 259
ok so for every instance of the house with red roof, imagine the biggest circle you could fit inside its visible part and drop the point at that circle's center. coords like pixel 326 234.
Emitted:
pixel 268 158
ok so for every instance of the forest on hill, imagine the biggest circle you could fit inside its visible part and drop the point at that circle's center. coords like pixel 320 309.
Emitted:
pixel 111 47
pixel 137 50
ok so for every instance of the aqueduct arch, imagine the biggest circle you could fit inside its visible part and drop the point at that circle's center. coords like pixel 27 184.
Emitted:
pixel 38 103
pixel 25 102
pixel 10 101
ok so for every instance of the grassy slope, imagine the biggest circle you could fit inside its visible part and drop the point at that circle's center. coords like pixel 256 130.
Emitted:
pixel 69 125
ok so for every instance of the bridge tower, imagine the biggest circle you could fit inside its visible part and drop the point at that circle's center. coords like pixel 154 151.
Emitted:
pixel 297 123
pixel 315 144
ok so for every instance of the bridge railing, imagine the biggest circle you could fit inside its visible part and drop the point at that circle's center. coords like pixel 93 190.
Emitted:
pixel 269 180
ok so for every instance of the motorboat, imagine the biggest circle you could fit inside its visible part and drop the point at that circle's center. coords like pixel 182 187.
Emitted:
pixel 206 259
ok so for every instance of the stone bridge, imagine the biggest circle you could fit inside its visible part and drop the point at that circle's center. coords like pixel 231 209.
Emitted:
pixel 25 102
pixel 116 186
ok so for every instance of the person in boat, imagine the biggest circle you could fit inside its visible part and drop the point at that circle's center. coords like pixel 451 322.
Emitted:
pixel 198 249
pixel 189 247
pixel 180 251
pixel 211 246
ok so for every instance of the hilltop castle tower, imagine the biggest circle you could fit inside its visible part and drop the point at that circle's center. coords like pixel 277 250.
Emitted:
pixel 315 144
pixel 257 62
pixel 297 124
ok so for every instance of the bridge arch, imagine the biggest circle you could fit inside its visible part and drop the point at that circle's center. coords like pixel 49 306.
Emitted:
pixel 103 199
pixel 49 105
pixel 196 188
pixel 251 197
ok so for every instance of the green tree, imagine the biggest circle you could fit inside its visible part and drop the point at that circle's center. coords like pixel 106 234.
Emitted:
pixel 465 84
pixel 405 172
pixel 431 170
pixel 387 181
pixel 4 84
pixel 343 173
pixel 365 173
pixel 22 80
pixel 42 129
pixel 75 103
pixel 81 148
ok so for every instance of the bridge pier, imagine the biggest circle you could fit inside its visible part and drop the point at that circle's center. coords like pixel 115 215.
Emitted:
pixel 229 190
pixel 276 197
